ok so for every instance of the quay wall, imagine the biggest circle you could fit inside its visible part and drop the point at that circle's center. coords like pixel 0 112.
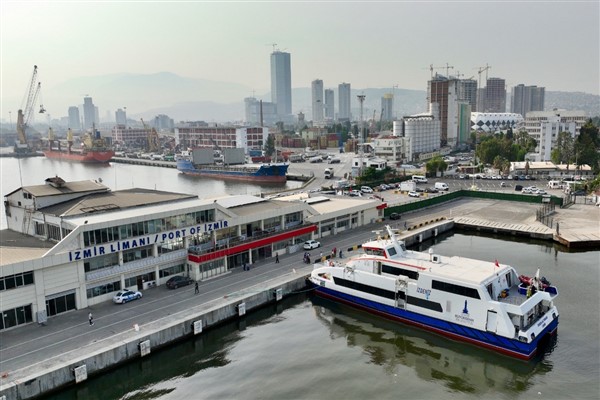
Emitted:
pixel 127 346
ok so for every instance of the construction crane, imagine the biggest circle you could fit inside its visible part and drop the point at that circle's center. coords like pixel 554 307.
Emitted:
pixel 153 141
pixel 24 114
pixel 480 71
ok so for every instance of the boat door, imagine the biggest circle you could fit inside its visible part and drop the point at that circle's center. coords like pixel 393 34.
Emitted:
pixel 492 321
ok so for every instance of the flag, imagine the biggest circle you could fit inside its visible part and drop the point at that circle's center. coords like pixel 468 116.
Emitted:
pixel 497 265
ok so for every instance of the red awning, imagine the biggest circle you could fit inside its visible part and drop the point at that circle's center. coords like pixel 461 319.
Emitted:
pixel 382 206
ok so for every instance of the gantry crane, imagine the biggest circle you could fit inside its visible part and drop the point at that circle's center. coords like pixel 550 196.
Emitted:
pixel 24 114
pixel 153 141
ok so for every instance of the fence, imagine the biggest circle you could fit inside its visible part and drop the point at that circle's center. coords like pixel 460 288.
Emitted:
pixel 544 214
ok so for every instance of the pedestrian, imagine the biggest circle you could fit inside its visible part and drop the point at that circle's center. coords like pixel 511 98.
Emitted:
pixel 340 253
pixel 91 318
pixel 404 225
pixel 277 258
pixel 321 255
pixel 243 266
pixel 196 288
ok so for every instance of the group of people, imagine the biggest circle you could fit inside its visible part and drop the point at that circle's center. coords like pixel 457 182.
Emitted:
pixel 307 257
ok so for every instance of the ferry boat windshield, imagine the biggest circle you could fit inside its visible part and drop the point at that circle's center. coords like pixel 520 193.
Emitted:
pixel 375 252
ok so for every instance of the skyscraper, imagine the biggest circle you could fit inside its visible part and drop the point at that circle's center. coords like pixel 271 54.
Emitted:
pixel 443 91
pixel 344 102
pixel 74 121
pixel 387 107
pixel 317 100
pixel 494 96
pixel 281 83
pixel 89 113
pixel 121 117
pixel 527 98
pixel 467 92
pixel 329 104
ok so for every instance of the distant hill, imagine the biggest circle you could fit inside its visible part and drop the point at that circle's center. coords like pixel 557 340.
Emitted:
pixel 181 98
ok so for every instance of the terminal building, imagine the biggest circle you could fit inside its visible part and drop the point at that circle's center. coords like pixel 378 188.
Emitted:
pixel 70 245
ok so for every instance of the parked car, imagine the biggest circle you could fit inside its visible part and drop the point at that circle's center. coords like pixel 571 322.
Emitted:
pixel 355 193
pixel 311 244
pixel 413 194
pixel 178 281
pixel 431 190
pixel 123 296
pixel 366 189
pixel 503 184
pixel 394 216
pixel 518 188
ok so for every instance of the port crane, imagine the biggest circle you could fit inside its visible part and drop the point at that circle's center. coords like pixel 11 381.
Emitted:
pixel 26 111
pixel 153 142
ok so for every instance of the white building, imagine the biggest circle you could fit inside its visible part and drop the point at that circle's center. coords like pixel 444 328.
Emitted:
pixel 329 105
pixel 71 245
pixel 344 98
pixel 544 127
pixel 317 101
pixel 492 122
pixel 361 163
pixel 422 134
pixel 390 147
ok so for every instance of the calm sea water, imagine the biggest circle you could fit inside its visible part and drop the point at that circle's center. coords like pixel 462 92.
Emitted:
pixel 34 170
pixel 309 348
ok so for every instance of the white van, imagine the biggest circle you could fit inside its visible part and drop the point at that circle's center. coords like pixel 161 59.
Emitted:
pixel 328 173
pixel 419 179
pixel 441 186
pixel 554 185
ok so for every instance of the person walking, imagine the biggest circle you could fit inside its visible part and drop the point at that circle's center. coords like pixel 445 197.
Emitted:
pixel 277 258
pixel 340 253
pixel 91 318
pixel 196 289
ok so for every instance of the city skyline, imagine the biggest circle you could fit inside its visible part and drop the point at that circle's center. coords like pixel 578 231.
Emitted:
pixel 374 52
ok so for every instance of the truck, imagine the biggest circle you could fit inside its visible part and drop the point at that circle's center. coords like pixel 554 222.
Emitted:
pixel 408 186
pixel 328 173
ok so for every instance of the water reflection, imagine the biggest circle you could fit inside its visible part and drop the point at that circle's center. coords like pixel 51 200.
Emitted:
pixel 457 366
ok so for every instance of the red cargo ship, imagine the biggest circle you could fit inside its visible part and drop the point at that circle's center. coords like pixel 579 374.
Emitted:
pixel 94 149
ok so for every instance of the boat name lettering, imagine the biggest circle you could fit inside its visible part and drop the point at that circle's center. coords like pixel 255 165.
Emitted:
pixel 542 321
pixel 114 247
pixel 465 319
pixel 426 292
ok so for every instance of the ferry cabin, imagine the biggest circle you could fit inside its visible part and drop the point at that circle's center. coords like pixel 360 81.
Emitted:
pixel 454 296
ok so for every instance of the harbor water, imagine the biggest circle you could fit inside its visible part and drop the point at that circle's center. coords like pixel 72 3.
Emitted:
pixel 309 348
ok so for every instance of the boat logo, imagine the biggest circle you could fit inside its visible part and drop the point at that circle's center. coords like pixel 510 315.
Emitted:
pixel 426 292
pixel 465 310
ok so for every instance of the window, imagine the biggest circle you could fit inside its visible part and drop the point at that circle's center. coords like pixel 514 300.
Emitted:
pixel 176 269
pixel 39 229
pixel 456 289
pixel 17 280
pixel 388 269
pixel 103 289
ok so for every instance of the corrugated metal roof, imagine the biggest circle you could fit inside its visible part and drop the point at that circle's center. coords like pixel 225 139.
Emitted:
pixel 67 187
pixel 17 247
pixel 240 200
pixel 117 200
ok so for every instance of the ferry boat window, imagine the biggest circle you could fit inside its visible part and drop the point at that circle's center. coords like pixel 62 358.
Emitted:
pixel 508 280
pixel 456 289
pixel 375 252
pixel 490 290
pixel 391 251
pixel 403 246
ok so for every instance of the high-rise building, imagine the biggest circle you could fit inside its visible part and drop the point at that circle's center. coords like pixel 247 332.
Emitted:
pixel 387 107
pixel 317 100
pixel 443 91
pixel 281 83
pixel 329 104
pixel 74 121
pixel 89 113
pixel 493 98
pixel 527 98
pixel 344 98
pixel 260 112
pixel 467 92
pixel 121 117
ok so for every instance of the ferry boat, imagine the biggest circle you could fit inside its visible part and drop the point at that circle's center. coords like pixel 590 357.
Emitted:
pixel 480 302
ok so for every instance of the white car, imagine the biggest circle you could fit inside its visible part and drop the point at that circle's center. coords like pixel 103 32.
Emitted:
pixel 311 244
pixel 123 296
pixel 413 194
pixel 366 189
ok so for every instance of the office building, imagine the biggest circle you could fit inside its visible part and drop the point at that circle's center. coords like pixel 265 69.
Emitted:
pixel 162 122
pixel 544 127
pixel 329 105
pixel 121 117
pixel 467 92
pixel 89 113
pixel 527 98
pixel 387 107
pixel 281 83
pixel 74 119
pixel 421 133
pixel 443 91
pixel 223 137
pixel 317 100
pixel 260 113
pixel 492 98
pixel 344 99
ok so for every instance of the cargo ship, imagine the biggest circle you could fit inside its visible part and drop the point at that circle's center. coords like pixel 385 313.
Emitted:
pixel 197 164
pixel 94 150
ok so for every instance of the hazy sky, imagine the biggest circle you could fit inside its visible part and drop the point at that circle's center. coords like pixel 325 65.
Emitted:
pixel 369 44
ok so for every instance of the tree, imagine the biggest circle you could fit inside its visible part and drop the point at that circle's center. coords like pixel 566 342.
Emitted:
pixel 565 149
pixel 270 146
pixel 436 164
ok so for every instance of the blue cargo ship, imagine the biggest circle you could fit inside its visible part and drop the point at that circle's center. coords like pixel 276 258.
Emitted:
pixel 270 173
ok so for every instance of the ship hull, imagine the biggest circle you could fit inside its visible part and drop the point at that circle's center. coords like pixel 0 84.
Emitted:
pixel 89 157
pixel 275 173
pixel 502 345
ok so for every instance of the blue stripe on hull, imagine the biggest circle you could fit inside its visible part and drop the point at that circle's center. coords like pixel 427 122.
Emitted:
pixel 488 340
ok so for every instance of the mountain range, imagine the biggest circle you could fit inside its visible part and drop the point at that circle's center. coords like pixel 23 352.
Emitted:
pixel 181 98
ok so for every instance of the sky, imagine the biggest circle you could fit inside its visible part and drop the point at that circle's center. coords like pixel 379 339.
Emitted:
pixel 370 44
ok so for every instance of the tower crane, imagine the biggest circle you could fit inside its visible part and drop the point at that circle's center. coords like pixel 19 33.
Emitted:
pixel 24 114
pixel 483 69
pixel 153 142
